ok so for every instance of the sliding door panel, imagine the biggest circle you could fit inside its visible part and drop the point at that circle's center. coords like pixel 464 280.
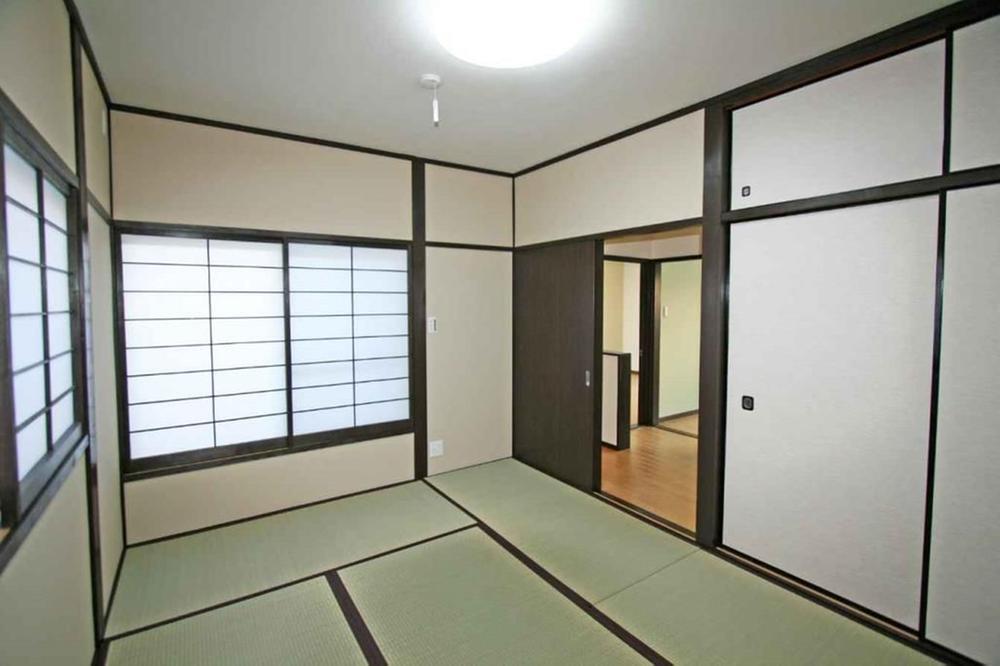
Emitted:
pixel 831 327
pixel 975 105
pixel 556 365
pixel 878 124
pixel 964 588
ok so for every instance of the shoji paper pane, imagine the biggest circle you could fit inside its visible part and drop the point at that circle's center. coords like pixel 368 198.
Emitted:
pixel 166 305
pixel 177 359
pixel 251 379
pixel 154 277
pixel 318 255
pixel 244 253
pixel 26 341
pixel 225 278
pixel 166 333
pixel 381 325
pixel 251 354
pixel 22 233
pixel 60 375
pixel 382 412
pixel 262 329
pixel 249 430
pixel 171 440
pixel 313 328
pixel 29 393
pixel 57 285
pixel 31 446
pixel 315 279
pixel 56 252
pixel 322 420
pixel 169 387
pixel 167 414
pixel 55 205
pixel 321 374
pixel 381 391
pixel 370 348
pixel 20 179
pixel 62 417
pixel 250 404
pixel 25 287
pixel 59 333
pixel 327 396
pixel 164 250
pixel 379 259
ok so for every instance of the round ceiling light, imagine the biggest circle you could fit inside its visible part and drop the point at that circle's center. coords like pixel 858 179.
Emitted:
pixel 510 33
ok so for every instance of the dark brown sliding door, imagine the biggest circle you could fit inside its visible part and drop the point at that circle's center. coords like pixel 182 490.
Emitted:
pixel 557 370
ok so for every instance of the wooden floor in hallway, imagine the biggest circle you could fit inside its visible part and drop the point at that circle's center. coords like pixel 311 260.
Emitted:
pixel 657 473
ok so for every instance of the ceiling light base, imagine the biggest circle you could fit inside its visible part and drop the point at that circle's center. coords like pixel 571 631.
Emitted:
pixel 430 81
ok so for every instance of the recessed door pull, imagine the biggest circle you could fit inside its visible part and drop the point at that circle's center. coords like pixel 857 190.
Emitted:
pixel 586 378
pixel 748 403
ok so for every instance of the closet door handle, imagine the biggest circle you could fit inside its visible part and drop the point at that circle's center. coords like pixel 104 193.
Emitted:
pixel 586 378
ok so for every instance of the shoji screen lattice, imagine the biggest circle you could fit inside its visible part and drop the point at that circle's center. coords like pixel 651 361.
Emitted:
pixel 225 338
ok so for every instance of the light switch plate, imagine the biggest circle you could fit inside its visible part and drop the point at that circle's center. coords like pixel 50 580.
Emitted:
pixel 435 448
pixel 432 324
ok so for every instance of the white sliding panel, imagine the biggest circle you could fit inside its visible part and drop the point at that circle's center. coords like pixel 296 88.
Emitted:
pixel 975 96
pixel 964 589
pixel 609 399
pixel 831 324
pixel 878 124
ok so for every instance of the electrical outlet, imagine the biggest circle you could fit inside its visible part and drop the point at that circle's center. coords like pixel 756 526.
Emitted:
pixel 435 448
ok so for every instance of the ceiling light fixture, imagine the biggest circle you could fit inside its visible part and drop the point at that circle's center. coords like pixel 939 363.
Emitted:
pixel 510 33
pixel 433 82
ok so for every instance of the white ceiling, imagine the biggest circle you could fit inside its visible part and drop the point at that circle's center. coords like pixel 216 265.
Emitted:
pixel 348 70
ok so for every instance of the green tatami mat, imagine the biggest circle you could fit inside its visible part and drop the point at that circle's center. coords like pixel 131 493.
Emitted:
pixel 595 549
pixel 163 580
pixel 703 610
pixel 299 625
pixel 463 599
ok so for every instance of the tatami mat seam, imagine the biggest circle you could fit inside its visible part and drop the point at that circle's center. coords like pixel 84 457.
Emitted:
pixel 646 577
pixel 281 586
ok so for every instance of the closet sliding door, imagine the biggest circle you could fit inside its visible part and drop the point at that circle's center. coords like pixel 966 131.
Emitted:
pixel 963 609
pixel 831 334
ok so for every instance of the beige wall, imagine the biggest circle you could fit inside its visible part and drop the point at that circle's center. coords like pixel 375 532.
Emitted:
pixel 95 118
pixel 613 305
pixel 176 172
pixel 630 313
pixel 35 69
pixel 661 248
pixel 165 505
pixel 45 603
pixel 680 336
pixel 105 427
pixel 468 207
pixel 647 178
pixel 469 358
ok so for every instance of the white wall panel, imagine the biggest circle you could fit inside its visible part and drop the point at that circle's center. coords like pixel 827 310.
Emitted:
pixel 877 124
pixel 650 177
pixel 833 337
pixel 469 358
pixel 169 171
pixel 975 96
pixel 964 589
pixel 609 398
pixel 179 502
pixel 468 207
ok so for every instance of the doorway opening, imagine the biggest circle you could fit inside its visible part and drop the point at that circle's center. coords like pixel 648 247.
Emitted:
pixel 652 331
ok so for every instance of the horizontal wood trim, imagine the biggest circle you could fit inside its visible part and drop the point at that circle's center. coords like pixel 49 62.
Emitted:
pixel 219 456
pixel 470 246
pixel 869 195
pixel 233 233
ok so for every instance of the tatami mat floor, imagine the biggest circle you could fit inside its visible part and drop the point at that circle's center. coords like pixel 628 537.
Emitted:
pixel 547 575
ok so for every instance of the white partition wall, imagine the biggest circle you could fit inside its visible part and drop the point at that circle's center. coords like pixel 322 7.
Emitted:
pixel 831 333
pixel 975 105
pixel 877 124
pixel 963 610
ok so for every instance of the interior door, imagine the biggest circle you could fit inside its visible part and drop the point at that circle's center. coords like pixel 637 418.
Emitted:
pixel 557 369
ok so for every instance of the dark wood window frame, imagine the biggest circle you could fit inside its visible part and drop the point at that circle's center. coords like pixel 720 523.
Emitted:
pixel 233 453
pixel 18 496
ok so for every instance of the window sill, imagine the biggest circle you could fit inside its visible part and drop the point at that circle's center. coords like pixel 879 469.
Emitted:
pixel 191 461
